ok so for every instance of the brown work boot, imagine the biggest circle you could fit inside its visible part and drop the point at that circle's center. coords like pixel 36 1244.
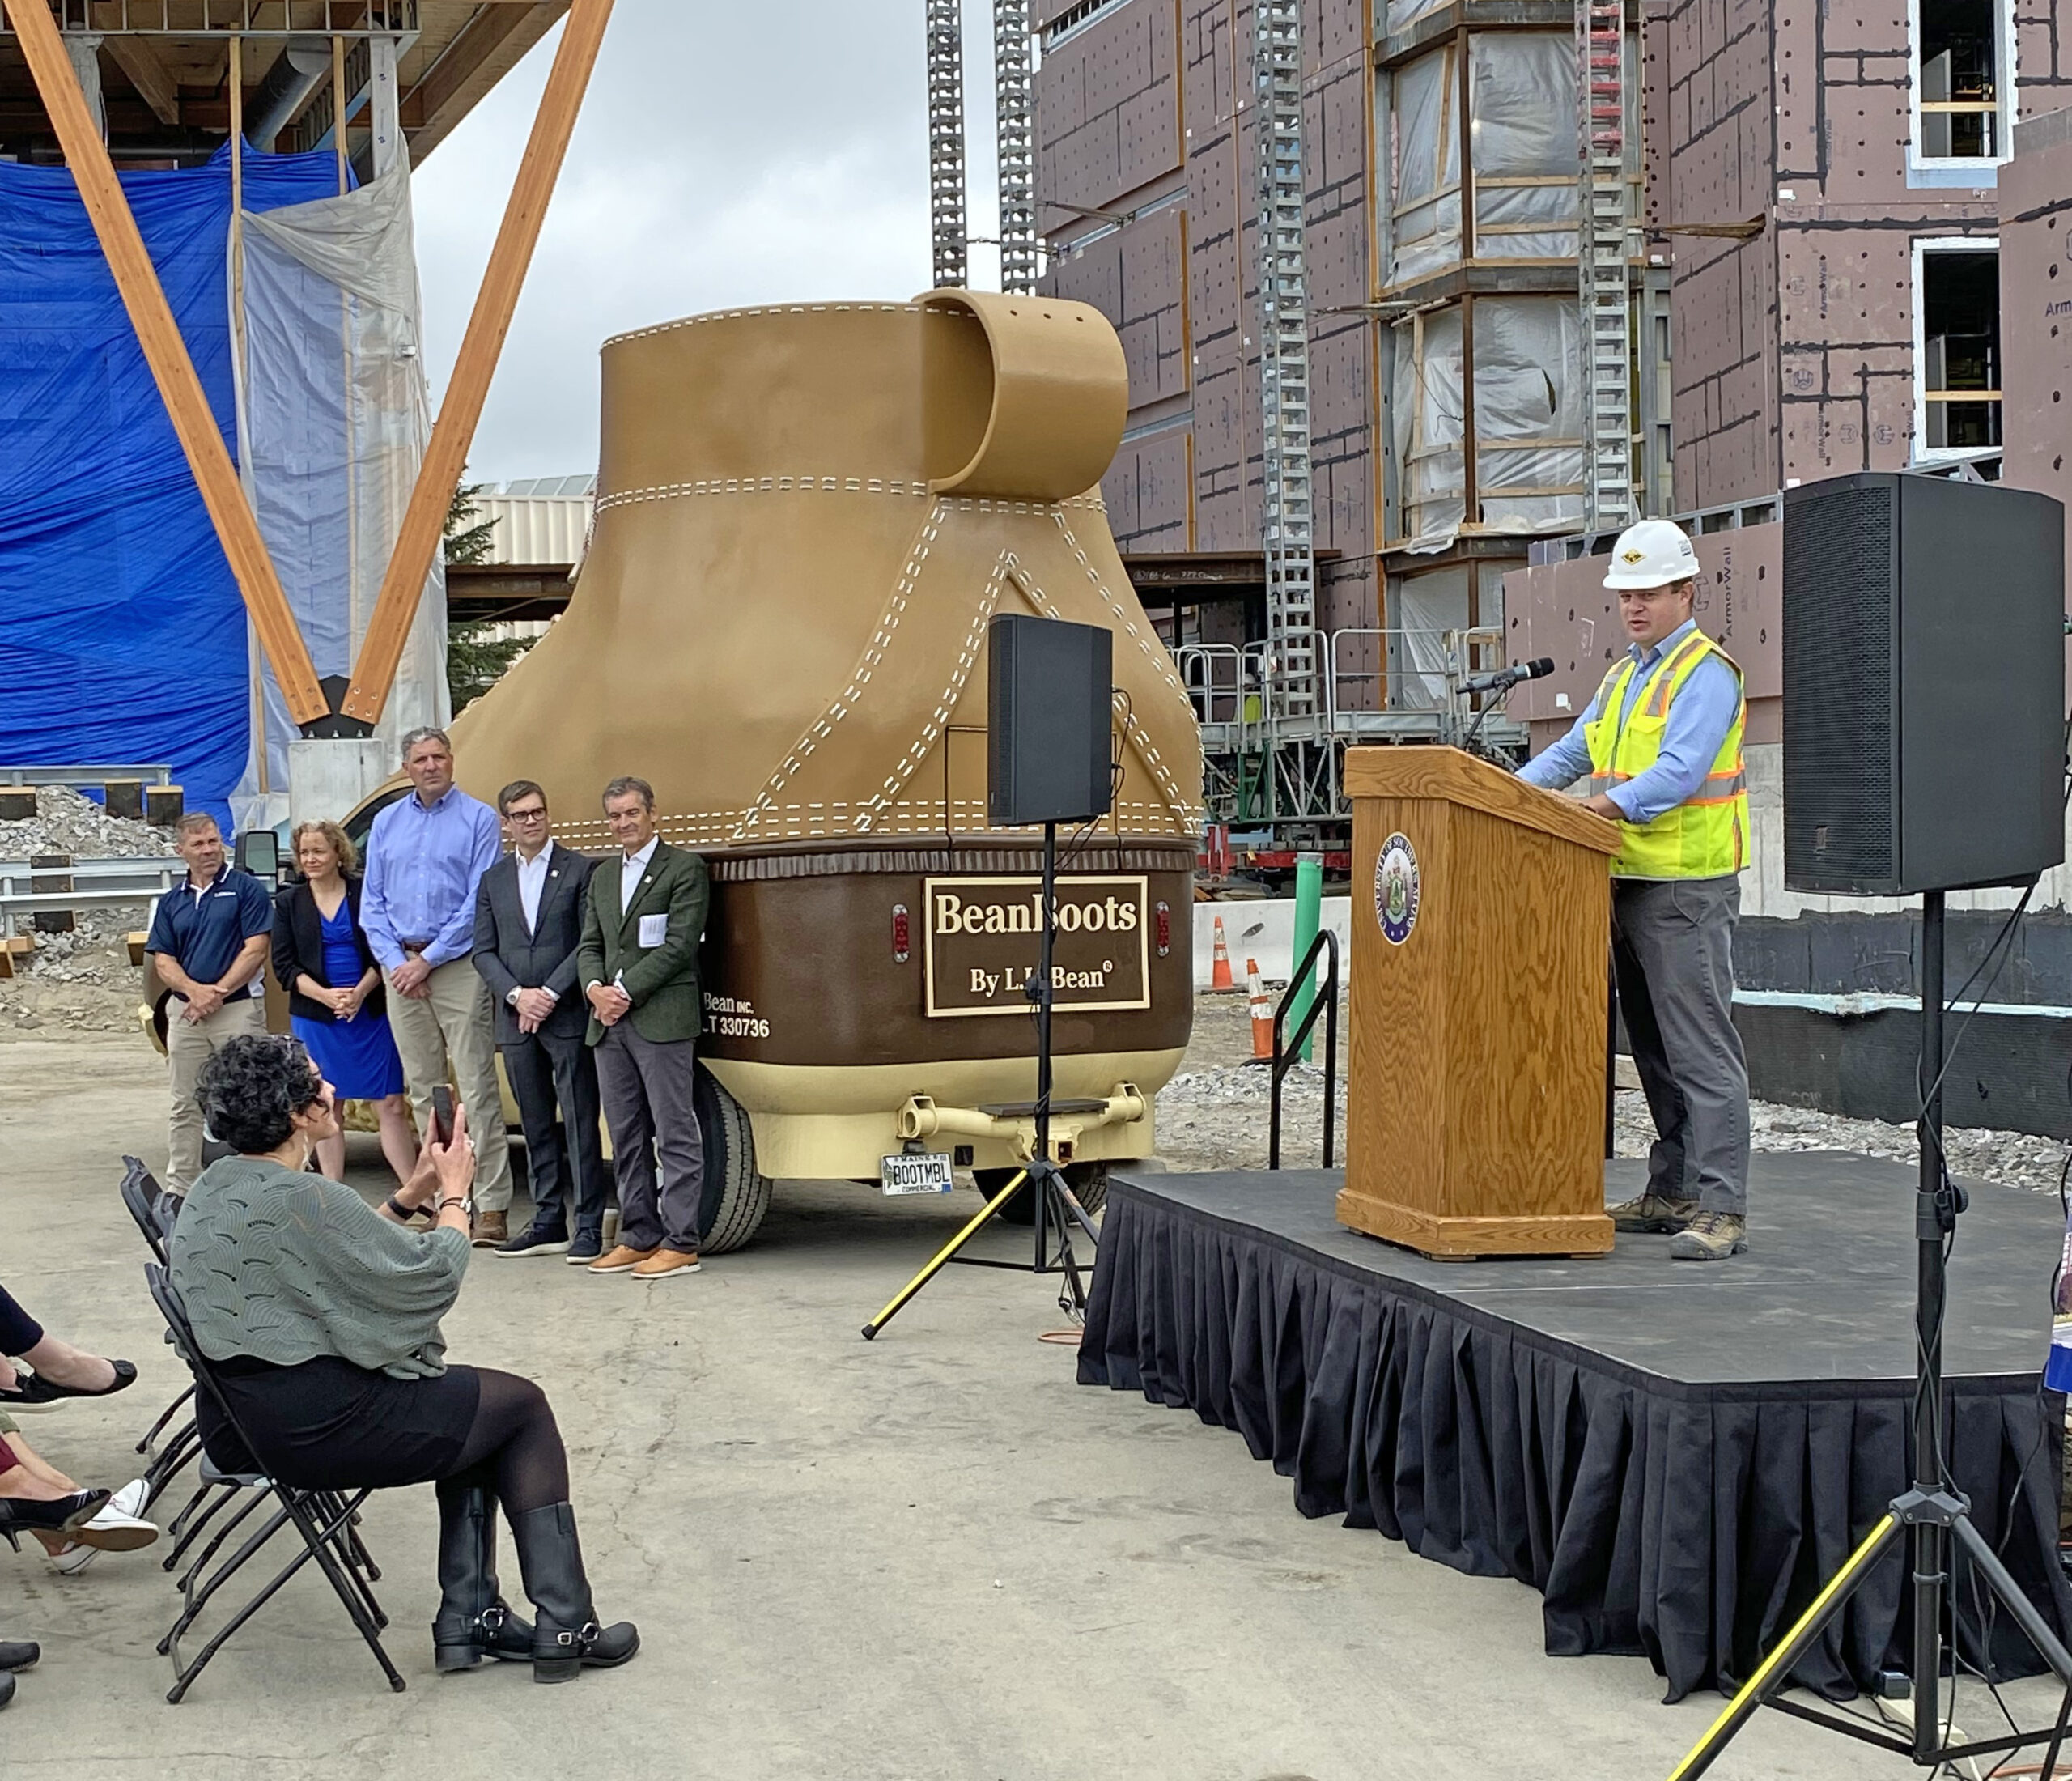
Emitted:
pixel 1711 1236
pixel 618 1261
pixel 666 1261
pixel 1653 1214
pixel 491 1229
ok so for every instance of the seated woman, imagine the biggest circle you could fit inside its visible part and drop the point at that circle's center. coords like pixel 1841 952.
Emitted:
pixel 321 1316
pixel 335 998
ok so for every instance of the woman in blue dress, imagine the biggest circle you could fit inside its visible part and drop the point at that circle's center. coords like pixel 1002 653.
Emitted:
pixel 335 1000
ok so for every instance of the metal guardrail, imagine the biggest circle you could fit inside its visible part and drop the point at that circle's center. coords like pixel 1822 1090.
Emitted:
pixel 97 884
pixel 89 773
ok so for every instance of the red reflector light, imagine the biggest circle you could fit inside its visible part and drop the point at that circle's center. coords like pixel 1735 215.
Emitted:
pixel 902 934
pixel 1164 924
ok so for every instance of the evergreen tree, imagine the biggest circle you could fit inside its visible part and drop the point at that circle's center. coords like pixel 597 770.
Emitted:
pixel 475 661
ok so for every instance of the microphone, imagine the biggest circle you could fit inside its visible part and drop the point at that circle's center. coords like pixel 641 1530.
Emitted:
pixel 1538 668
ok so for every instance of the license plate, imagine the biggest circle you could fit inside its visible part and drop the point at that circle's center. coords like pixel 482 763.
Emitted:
pixel 908 1173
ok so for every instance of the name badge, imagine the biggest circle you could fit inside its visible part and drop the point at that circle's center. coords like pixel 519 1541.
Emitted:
pixel 654 930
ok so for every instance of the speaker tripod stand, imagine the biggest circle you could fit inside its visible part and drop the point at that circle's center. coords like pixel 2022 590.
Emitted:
pixel 1058 1208
pixel 1932 1517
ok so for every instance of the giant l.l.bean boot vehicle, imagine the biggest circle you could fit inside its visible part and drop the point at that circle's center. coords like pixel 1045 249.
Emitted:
pixel 806 517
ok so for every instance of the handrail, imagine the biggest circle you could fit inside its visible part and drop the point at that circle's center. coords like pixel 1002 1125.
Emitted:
pixel 1325 1000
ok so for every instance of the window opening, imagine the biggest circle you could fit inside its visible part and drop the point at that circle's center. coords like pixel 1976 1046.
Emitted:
pixel 1960 370
pixel 1958 84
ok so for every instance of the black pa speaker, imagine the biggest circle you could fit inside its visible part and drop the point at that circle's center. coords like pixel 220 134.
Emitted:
pixel 1924 684
pixel 1049 716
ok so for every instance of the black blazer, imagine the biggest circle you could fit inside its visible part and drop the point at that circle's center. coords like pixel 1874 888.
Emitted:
pixel 511 957
pixel 298 949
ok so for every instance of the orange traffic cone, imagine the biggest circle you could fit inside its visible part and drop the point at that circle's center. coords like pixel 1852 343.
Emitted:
pixel 1262 1012
pixel 1219 974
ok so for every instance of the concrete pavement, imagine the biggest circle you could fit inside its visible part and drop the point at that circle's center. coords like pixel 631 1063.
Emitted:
pixel 935 1556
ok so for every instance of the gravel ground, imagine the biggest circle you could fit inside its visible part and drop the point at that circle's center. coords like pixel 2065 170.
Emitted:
pixel 1213 1116
pixel 81 981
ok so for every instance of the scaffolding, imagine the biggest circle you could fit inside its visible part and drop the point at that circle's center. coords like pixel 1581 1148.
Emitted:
pixel 1299 781
pixel 945 30
pixel 1014 90
pixel 1607 311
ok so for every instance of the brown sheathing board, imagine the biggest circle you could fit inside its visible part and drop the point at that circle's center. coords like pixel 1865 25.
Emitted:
pixel 1562 610
pixel 1216 50
pixel 2036 309
pixel 1721 157
pixel 1108 132
pixel 1108 111
pixel 1215 61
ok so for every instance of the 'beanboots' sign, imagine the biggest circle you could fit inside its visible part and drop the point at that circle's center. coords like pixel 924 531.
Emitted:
pixel 985 937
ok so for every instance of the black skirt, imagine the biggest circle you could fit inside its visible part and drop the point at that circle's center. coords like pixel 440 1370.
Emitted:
pixel 328 1425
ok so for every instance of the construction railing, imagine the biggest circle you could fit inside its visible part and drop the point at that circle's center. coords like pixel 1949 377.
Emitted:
pixel 1213 675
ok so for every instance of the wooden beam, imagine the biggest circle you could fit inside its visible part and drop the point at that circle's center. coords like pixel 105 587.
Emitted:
pixel 486 48
pixel 140 65
pixel 447 457
pixel 165 353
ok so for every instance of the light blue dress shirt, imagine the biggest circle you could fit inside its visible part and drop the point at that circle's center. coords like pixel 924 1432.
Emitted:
pixel 1700 717
pixel 423 868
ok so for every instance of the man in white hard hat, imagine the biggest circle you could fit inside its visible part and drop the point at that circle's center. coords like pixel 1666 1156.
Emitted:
pixel 1661 743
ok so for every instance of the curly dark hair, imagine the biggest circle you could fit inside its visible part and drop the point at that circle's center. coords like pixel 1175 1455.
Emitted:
pixel 251 1088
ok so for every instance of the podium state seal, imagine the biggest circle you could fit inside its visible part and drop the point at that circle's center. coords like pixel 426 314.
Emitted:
pixel 1396 887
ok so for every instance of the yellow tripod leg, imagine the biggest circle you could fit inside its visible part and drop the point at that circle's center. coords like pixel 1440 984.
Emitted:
pixel 943 1257
pixel 1804 1630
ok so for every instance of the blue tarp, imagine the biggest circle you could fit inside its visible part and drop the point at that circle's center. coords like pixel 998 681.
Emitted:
pixel 122 636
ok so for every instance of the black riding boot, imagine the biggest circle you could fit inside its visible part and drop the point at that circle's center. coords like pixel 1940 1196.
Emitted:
pixel 566 1636
pixel 473 1622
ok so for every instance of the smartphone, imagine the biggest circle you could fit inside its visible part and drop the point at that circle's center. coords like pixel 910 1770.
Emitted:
pixel 442 1115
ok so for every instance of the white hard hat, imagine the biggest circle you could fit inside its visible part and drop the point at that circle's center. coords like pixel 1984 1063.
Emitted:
pixel 1655 554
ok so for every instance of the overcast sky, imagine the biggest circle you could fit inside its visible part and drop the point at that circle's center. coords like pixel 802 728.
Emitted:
pixel 727 153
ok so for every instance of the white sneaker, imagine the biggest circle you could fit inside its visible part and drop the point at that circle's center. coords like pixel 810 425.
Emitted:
pixel 111 1531
pixel 71 1558
pixel 129 1500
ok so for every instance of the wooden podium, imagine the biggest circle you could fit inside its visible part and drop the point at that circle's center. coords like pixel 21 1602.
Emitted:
pixel 1481 908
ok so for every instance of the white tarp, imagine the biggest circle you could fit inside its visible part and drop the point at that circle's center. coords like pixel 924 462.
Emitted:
pixel 1424 607
pixel 1528 417
pixel 1424 230
pixel 1523 144
pixel 334 417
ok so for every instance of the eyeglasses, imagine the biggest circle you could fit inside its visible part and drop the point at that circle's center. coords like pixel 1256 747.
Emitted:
pixel 527 816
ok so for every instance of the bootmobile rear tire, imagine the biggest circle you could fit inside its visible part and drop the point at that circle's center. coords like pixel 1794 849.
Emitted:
pixel 1089 1181
pixel 736 1194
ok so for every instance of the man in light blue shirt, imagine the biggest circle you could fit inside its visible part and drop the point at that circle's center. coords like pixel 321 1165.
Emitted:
pixel 425 860
pixel 1662 744
pixel 1704 709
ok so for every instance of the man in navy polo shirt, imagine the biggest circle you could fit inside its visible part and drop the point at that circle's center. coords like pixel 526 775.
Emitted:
pixel 209 940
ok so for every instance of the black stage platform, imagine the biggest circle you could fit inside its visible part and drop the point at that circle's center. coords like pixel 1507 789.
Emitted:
pixel 1676 1455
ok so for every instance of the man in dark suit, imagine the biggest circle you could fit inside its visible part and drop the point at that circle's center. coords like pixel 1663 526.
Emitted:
pixel 638 969
pixel 528 923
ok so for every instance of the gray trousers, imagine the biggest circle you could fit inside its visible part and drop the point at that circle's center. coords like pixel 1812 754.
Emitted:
pixel 1672 952
pixel 565 1160
pixel 646 1088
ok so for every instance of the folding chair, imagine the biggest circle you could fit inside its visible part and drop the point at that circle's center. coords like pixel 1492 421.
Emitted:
pixel 141 1197
pixel 325 1521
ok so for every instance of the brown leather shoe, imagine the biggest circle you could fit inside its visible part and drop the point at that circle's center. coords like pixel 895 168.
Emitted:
pixel 666 1261
pixel 491 1229
pixel 620 1260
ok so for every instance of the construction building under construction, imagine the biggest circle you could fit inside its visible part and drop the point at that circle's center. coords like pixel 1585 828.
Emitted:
pixel 1418 293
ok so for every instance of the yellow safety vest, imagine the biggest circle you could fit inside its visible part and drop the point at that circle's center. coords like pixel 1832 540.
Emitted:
pixel 1707 835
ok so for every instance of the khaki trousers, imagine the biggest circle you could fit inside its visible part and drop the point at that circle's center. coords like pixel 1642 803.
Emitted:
pixel 454 1022
pixel 188 1045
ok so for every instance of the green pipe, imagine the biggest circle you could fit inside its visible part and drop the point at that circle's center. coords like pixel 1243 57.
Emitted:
pixel 1309 914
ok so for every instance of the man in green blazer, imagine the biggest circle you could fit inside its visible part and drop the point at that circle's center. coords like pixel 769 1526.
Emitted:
pixel 637 964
